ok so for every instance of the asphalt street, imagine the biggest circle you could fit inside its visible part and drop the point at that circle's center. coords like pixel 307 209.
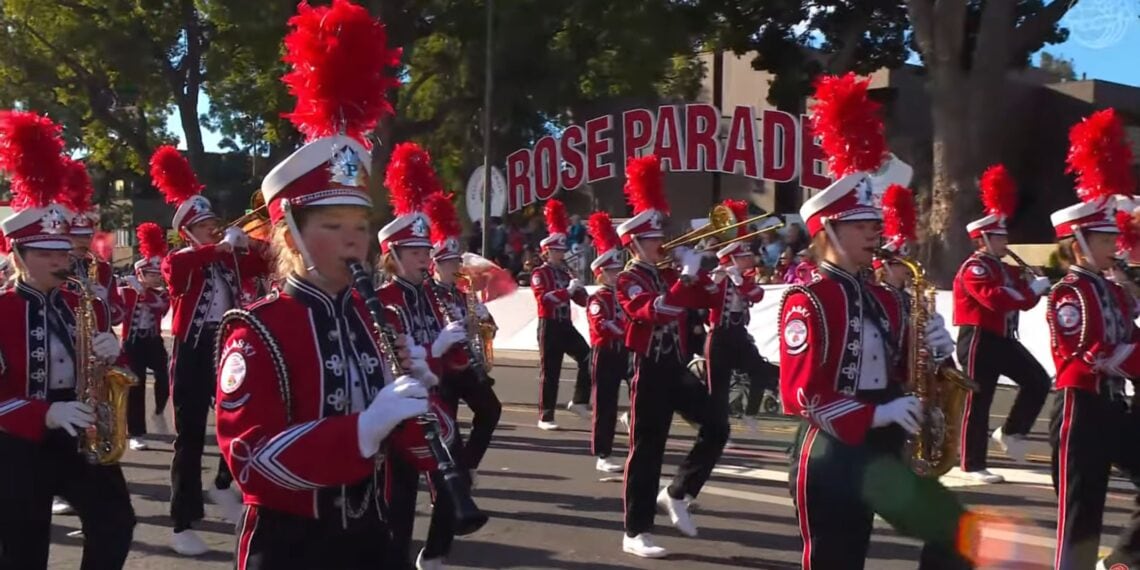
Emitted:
pixel 550 508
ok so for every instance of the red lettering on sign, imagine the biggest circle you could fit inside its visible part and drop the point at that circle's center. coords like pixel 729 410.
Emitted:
pixel 668 141
pixel 702 147
pixel 637 128
pixel 520 180
pixel 598 148
pixel 780 135
pixel 574 160
pixel 740 155
pixel 545 167
pixel 811 156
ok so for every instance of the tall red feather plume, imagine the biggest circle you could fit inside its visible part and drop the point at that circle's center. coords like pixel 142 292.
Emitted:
pixel 77 188
pixel 4 246
pixel 103 245
pixel 643 185
pixel 899 213
pixel 152 240
pixel 848 124
pixel 740 212
pixel 173 176
pixel 999 191
pixel 340 70
pixel 444 218
pixel 410 178
pixel 601 230
pixel 1129 232
pixel 31 152
pixel 556 220
pixel 1101 157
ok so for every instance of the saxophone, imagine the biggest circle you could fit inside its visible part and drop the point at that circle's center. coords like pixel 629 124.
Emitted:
pixel 472 344
pixel 936 383
pixel 98 385
pixel 483 342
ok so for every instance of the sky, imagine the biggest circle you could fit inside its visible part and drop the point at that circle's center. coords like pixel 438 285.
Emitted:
pixel 1104 40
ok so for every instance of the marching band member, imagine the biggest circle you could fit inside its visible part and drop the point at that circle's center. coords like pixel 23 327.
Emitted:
pixel 729 346
pixel 899 233
pixel 406 246
pixel 302 417
pixel 988 295
pixel 5 265
pixel 554 289
pixel 40 411
pixel 82 220
pixel 203 285
pixel 841 366
pixel 146 301
pixel 609 359
pixel 654 301
pixel 1094 343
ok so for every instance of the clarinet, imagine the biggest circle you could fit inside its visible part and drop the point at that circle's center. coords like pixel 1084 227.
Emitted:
pixel 476 363
pixel 450 480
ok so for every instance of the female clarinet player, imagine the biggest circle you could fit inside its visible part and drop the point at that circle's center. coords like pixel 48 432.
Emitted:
pixel 842 365
pixel 306 397
pixel 405 243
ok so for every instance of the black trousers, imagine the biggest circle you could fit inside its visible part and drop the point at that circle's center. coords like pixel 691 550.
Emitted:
pixel 555 339
pixel 272 540
pixel 609 365
pixel 194 380
pixel 984 356
pixel 31 474
pixel 404 484
pixel 731 348
pixel 661 387
pixel 1090 433
pixel 146 354
pixel 838 488
pixel 485 412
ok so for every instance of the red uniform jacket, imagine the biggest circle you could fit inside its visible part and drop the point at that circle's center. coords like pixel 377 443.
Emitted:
pixel 549 284
pixel 187 273
pixel 422 318
pixel 655 301
pixel 286 424
pixel 24 355
pixel 750 293
pixel 104 278
pixel 822 330
pixel 989 293
pixel 142 309
pixel 607 320
pixel 1090 321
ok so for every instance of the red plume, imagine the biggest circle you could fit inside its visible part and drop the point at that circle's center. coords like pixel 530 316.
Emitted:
pixel 1129 234
pixel 643 185
pixel 601 230
pixel 31 152
pixel 410 178
pixel 1101 157
pixel 172 175
pixel 555 214
pixel 999 191
pixel 340 70
pixel 444 218
pixel 103 245
pixel 848 124
pixel 152 240
pixel 77 189
pixel 740 212
pixel 898 213
pixel 4 246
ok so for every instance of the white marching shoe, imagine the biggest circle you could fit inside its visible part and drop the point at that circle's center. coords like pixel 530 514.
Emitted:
pixel 61 507
pixel 137 444
pixel 580 410
pixel 188 543
pixel 230 501
pixel 624 419
pixel 985 476
pixel 428 563
pixel 1013 445
pixel 547 426
pixel 605 465
pixel 642 545
pixel 678 511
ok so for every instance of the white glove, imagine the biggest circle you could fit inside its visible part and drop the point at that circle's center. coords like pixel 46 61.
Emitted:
pixel 736 275
pixel 690 263
pixel 1040 285
pixel 575 284
pixel 718 275
pixel 73 417
pixel 448 337
pixel 101 292
pixel 415 351
pixel 133 283
pixel 405 398
pixel 938 338
pixel 106 346
pixel 903 411
pixel 481 311
pixel 236 238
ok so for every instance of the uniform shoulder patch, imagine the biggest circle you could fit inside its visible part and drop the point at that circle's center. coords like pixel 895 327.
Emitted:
pixel 536 278
pixel 232 372
pixel 633 290
pixel 595 308
pixel 977 269
pixel 795 335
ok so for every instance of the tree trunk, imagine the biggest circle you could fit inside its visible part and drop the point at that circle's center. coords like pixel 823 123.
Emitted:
pixel 954 190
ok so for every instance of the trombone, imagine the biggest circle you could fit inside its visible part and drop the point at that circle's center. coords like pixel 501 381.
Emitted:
pixel 255 219
pixel 721 222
